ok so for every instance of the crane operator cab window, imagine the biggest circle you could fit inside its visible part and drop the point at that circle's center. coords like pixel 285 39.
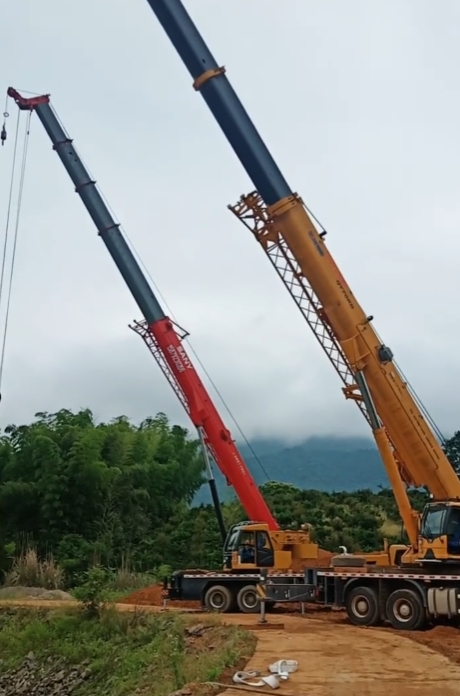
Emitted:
pixel 443 521
pixel 255 548
pixel 246 547
pixel 453 530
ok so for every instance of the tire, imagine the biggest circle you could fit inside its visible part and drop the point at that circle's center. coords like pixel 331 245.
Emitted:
pixel 218 598
pixel 405 610
pixel 247 601
pixel 363 606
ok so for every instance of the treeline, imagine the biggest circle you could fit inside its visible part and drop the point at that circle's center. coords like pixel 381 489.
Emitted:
pixel 119 495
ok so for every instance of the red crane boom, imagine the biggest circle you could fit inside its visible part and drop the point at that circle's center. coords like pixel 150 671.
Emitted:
pixel 159 330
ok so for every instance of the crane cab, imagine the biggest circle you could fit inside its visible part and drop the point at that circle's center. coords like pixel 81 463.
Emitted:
pixel 252 545
pixel 439 535
pixel 248 546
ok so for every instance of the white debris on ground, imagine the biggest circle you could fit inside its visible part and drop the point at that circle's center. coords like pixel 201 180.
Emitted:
pixel 279 671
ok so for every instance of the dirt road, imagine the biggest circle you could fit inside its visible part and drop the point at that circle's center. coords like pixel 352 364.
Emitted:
pixel 341 660
pixel 336 659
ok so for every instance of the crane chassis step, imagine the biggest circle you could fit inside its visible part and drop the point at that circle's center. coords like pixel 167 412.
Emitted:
pixel 407 600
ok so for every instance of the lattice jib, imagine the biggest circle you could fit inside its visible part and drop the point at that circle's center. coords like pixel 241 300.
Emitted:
pixel 142 329
pixel 252 212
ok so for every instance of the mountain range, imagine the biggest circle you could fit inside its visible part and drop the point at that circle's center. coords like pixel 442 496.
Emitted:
pixel 322 463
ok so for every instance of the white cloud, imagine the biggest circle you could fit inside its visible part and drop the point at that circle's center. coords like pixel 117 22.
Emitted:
pixel 357 104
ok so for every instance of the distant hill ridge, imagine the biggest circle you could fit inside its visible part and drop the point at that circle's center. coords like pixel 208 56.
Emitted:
pixel 323 463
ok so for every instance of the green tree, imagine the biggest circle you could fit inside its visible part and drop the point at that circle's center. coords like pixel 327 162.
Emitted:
pixel 95 492
pixel 452 450
pixel 117 494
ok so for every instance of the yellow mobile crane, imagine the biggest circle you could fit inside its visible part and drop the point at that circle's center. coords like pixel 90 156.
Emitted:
pixel 259 542
pixel 285 229
pixel 412 583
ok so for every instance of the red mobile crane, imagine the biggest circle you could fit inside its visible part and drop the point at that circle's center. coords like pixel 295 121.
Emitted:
pixel 163 337
pixel 410 450
pixel 265 544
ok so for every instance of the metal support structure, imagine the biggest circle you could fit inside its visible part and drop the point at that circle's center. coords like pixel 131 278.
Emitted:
pixel 252 212
pixel 261 589
pixel 142 329
pixel 108 228
pixel 212 484
pixel 404 421
pixel 211 81
pixel 301 590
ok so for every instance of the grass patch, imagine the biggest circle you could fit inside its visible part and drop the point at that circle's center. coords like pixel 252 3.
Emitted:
pixel 147 653
pixel 31 571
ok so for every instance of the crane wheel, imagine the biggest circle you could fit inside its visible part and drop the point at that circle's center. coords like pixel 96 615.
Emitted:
pixel 405 610
pixel 247 600
pixel 218 598
pixel 362 606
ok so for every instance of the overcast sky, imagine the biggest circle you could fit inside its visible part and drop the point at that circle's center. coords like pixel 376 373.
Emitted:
pixel 358 101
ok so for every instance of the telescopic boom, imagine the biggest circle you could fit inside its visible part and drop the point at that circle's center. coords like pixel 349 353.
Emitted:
pixel 159 327
pixel 282 225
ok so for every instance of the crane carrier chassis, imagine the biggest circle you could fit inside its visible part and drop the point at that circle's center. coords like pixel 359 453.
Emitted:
pixel 405 598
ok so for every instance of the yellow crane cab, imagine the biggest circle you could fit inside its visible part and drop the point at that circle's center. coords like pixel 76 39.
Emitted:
pixel 252 545
pixel 439 533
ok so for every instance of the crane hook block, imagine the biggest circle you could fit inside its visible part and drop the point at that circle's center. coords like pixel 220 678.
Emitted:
pixel 3 131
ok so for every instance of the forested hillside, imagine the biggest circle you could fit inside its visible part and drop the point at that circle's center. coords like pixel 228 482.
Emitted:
pixel 119 494
pixel 323 463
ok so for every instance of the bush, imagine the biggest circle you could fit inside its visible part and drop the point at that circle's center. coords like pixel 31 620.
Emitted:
pixel 29 571
pixel 93 593
pixel 162 572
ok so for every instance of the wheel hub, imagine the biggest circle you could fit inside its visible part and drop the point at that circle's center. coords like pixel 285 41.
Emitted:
pixel 403 610
pixel 360 606
pixel 218 600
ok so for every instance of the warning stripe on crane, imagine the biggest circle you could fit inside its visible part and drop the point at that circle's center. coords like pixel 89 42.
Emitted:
pixel 222 576
pixel 226 576
pixel 402 576
pixel 325 573
pixel 261 591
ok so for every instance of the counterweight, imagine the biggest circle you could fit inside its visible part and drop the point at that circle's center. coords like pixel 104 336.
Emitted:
pixel 415 449
pixel 163 331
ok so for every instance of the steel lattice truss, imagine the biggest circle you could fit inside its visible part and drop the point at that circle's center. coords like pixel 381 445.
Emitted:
pixel 143 330
pixel 252 212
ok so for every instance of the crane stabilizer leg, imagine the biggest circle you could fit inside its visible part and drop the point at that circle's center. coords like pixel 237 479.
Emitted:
pixel 200 407
pixel 287 221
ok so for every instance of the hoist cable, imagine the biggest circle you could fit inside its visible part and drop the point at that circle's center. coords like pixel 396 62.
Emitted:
pixel 10 203
pixel 15 239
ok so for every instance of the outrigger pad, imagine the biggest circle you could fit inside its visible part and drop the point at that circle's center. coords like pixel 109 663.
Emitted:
pixel 347 561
